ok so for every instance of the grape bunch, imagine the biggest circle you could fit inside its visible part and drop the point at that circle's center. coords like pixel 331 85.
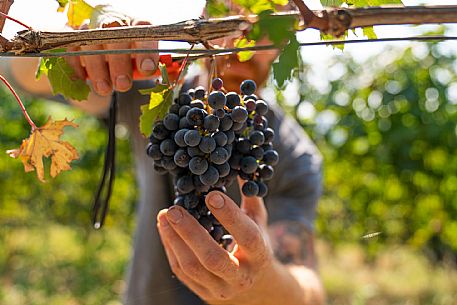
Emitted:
pixel 206 140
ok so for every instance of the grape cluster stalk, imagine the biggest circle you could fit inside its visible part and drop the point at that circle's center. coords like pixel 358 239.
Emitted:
pixel 208 139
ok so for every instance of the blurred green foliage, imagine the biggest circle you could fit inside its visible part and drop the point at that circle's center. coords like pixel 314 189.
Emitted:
pixel 387 129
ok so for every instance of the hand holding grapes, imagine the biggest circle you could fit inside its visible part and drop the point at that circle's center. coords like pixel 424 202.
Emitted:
pixel 216 275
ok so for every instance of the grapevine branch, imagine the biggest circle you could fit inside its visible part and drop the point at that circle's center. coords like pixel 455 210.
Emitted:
pixel 194 31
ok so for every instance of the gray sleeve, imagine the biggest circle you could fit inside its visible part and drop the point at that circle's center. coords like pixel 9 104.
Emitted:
pixel 296 187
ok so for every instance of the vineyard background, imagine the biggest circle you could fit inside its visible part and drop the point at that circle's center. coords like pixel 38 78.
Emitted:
pixel 387 129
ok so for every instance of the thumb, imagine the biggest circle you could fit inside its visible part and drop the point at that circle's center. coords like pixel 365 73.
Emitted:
pixel 254 207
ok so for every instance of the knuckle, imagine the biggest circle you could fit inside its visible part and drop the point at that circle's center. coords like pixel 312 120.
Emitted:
pixel 254 240
pixel 245 283
pixel 214 262
pixel 191 267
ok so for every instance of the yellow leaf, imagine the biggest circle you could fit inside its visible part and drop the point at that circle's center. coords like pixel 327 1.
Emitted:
pixel 244 43
pixel 156 99
pixel 78 12
pixel 45 142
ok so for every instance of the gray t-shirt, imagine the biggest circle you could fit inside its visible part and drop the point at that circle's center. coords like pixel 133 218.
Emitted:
pixel 293 195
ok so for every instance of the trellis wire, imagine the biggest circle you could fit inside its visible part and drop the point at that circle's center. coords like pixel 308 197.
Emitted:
pixel 207 53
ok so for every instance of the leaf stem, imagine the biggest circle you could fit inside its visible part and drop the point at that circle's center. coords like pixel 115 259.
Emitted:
pixel 17 21
pixel 32 124
pixel 183 65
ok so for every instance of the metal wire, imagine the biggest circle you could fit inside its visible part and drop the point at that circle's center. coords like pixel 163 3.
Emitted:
pixel 195 54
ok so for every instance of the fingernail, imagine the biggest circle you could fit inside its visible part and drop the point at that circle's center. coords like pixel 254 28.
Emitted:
pixel 174 215
pixel 148 65
pixel 163 221
pixel 123 82
pixel 216 201
pixel 102 86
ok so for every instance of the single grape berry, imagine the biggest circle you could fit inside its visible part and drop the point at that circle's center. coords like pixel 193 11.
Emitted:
pixel 257 152
pixel 153 151
pixel 263 189
pixel 226 123
pixel 179 137
pixel 261 108
pixel 207 144
pixel 198 165
pixel 195 116
pixel 219 156
pixel 210 177
pixel 199 93
pixel 216 100
pixel 192 138
pixel 233 100
pixel 239 114
pixel 181 158
pixel 220 138
pixel 184 99
pixel 185 184
pixel 195 151
pixel 220 113
pixel 211 123
pixel 174 108
pixel 250 105
pixel 217 233
pixel 248 164
pixel 250 189
pixel 256 137
pixel 266 172
pixel 243 146
pixel 217 83
pixel 206 223
pixel 168 147
pixel 183 110
pixel 191 201
pixel 271 157
pixel 248 87
pixel 197 104
pixel 159 131
pixel 269 135
pixel 223 169
pixel 168 163
pixel 171 121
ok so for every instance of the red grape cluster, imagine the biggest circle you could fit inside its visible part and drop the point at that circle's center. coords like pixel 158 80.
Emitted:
pixel 206 140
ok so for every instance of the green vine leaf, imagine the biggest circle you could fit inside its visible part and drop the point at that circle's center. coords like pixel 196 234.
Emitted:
pixel 277 28
pixel 359 3
pixel 288 61
pixel 62 78
pixel 244 43
pixel 161 98
pixel 216 8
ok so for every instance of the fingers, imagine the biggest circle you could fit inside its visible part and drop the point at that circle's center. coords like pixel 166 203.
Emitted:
pixel 97 71
pixel 182 260
pixel 120 67
pixel 246 232
pixel 146 63
pixel 209 253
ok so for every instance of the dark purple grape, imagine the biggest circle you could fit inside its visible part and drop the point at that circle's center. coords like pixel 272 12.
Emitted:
pixel 179 137
pixel 174 109
pixel 168 147
pixel 219 155
pixel 250 105
pixel 154 152
pixel 220 138
pixel 250 188
pixel 217 233
pixel 226 241
pixel 219 113
pixel 168 163
pixel 159 131
pixel 211 123
pixel 243 146
pixel 233 100
pixel 185 184
pixel 195 116
pixel 198 165
pixel 257 152
pixel 230 136
pixel 199 186
pixel 226 123
pixel 217 83
pixel 235 160
pixel 179 200
pixel 206 223
pixel 217 100
pixel 248 87
pixel 194 214
pixel 223 169
pixel 171 121
pixel 197 104
pixel 192 138
pixel 210 177
pixel 159 169
pixel 271 157
pixel 191 92
pixel 263 189
pixel 256 137
pixel 195 151
pixel 248 164
pixel 184 99
pixel 199 93
pixel 261 108
pixel 239 114
pixel 183 110
pixel 191 201
pixel 269 135
pixel 250 97
pixel 181 158
pixel 266 172
pixel 184 123
pixel 207 144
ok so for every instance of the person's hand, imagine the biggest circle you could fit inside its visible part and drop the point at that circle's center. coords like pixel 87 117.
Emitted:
pixel 214 274
pixel 108 72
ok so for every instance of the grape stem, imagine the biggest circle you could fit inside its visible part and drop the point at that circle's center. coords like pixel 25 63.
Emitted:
pixel 29 120
pixel 15 20
pixel 183 65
